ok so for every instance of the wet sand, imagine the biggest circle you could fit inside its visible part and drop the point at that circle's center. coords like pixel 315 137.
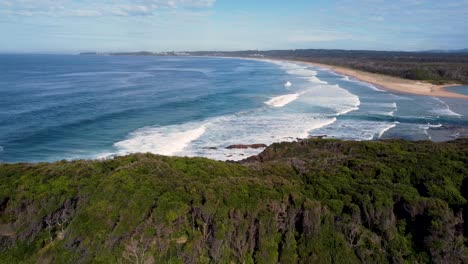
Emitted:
pixel 393 83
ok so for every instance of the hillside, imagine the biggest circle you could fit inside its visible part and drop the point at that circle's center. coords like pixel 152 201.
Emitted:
pixel 313 201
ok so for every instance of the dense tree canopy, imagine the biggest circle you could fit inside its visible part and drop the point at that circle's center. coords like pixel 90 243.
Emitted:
pixel 312 201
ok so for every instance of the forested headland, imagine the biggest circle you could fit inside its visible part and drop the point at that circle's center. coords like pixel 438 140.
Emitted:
pixel 311 201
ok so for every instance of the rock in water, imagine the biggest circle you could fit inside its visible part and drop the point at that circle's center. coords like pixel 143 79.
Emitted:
pixel 240 146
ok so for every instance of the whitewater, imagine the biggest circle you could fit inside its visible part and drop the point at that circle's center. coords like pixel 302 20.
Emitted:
pixel 101 107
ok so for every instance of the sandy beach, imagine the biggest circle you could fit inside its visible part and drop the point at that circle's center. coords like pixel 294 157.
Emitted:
pixel 394 84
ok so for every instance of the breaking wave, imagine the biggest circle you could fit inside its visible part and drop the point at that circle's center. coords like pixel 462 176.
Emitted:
pixel 167 140
pixel 282 100
pixel 443 109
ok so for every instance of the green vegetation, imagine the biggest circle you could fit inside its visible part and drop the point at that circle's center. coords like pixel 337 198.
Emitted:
pixel 435 67
pixel 313 201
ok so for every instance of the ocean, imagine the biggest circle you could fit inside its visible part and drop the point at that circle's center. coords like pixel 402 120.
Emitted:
pixel 55 107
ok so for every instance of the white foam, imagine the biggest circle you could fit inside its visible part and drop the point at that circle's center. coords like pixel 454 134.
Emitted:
pixel 434 126
pixel 324 95
pixel 425 128
pixel 428 126
pixel 354 80
pixel 443 109
pixel 333 97
pixel 340 101
pixel 356 129
pixel 319 106
pixel 159 140
pixel 287 84
pixel 386 129
pixel 314 79
pixel 303 71
pixel 283 100
pixel 369 85
pixel 385 112
pixel 211 138
pixel 257 127
pixel 343 112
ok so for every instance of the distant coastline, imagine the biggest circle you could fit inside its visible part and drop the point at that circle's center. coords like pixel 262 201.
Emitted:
pixel 385 81
pixel 393 83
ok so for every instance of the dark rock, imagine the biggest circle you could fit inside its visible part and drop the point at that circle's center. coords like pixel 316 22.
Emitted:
pixel 253 146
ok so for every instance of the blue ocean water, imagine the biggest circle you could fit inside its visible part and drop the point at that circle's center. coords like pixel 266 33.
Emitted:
pixel 55 107
pixel 462 89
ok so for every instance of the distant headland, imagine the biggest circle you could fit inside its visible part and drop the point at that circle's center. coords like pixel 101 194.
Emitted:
pixel 423 72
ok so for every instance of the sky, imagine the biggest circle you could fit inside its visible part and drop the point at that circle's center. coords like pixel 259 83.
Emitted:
pixel 72 26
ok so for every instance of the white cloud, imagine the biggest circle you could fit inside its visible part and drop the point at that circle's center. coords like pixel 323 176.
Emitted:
pixel 94 8
pixel 131 10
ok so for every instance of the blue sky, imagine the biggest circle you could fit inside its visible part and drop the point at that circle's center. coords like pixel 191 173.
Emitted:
pixel 70 26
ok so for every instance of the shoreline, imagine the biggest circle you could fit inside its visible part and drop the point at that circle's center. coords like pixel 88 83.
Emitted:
pixel 395 84
pixel 388 83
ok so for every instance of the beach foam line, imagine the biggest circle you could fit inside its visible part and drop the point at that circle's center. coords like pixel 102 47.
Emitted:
pixel 353 80
pixel 282 100
pixel 314 79
pixel 445 110
pixel 351 109
pixel 352 101
pixel 303 71
pixel 323 124
pixel 386 129
pixel 391 113
pixel 369 85
pixel 384 112
pixel 333 97
pixel 159 140
pixel 387 105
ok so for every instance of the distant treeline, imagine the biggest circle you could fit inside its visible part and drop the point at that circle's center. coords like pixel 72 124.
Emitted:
pixel 435 67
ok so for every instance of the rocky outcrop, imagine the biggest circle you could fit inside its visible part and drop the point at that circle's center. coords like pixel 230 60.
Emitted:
pixel 241 146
